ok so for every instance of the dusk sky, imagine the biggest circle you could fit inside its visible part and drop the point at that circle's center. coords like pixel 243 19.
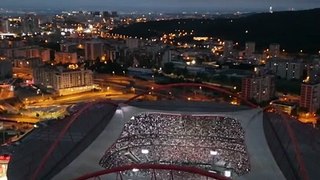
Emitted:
pixel 162 5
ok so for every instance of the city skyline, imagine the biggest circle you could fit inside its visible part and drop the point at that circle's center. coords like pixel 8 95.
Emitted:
pixel 159 90
pixel 164 5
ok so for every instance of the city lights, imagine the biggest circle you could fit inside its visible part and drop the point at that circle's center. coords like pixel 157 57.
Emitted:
pixel 165 94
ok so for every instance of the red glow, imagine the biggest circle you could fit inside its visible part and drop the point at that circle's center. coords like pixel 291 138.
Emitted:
pixel 5 158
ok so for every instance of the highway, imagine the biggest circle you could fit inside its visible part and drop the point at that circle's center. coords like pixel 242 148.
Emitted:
pixel 18 119
pixel 83 97
pixel 6 92
pixel 113 87
pixel 124 81
pixel 64 100
pixel 24 73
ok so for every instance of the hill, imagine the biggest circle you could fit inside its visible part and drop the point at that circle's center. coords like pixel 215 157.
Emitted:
pixel 294 30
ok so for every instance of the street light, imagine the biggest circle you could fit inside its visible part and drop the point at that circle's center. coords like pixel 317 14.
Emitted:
pixel 133 89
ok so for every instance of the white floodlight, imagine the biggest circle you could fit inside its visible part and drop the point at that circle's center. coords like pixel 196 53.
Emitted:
pixel 227 173
pixel 213 153
pixel 144 151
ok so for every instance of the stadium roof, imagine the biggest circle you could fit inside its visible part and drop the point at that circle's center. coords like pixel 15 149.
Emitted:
pixel 270 150
pixel 261 159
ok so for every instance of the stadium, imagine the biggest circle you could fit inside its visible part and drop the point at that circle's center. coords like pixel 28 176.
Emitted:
pixel 168 139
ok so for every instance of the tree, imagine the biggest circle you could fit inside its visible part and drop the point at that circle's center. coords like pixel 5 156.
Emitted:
pixel 318 112
pixel 97 59
pixel 203 76
pixel 168 68
pixel 181 71
pixel 318 124
pixel 302 110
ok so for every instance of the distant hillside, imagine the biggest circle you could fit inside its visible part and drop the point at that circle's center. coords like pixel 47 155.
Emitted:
pixel 294 30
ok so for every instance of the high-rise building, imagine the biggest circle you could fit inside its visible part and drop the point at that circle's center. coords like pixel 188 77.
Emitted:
pixel 73 78
pixel 228 48
pixel 106 14
pixel 30 23
pixel 250 48
pixel 68 47
pixel 12 43
pixel 93 50
pixel 13 25
pixel 64 80
pixel 111 55
pixel 274 50
pixel 4 25
pixel 95 13
pixel 132 43
pixel 27 63
pixel 45 54
pixel 114 14
pixel 66 58
pixel 44 75
pixel 258 88
pixel 310 96
pixel 169 55
pixel 5 69
pixel 286 68
pixel 28 52
pixel 313 72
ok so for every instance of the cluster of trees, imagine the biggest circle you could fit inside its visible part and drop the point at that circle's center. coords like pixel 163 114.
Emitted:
pixel 106 67
pixel 293 30
pixel 202 76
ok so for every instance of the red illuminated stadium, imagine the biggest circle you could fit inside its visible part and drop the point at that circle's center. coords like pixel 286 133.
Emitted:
pixel 166 139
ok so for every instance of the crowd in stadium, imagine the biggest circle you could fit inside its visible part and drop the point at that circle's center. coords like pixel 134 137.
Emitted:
pixel 163 175
pixel 202 141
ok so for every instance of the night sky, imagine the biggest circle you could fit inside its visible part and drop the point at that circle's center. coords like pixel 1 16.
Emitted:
pixel 162 5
